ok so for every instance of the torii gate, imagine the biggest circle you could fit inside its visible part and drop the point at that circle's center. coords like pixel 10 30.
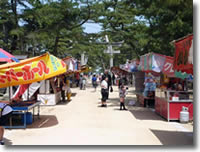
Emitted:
pixel 111 51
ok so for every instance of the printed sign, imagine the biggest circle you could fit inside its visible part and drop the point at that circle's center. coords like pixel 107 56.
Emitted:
pixel 31 70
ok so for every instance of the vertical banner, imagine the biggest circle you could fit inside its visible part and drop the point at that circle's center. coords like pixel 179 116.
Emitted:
pixel 182 57
pixel 168 67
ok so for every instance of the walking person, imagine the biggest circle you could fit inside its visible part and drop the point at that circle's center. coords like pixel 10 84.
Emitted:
pixel 81 82
pixel 122 95
pixel 84 82
pixel 104 91
pixel 63 87
pixel 94 82
pixel 5 114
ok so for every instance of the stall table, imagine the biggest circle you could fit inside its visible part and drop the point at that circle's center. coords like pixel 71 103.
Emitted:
pixel 22 109
pixel 170 108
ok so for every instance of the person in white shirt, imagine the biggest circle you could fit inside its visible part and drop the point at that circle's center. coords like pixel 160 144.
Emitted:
pixel 5 113
pixel 104 91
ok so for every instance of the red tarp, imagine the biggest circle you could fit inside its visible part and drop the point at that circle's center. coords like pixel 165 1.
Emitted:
pixel 182 53
pixel 168 66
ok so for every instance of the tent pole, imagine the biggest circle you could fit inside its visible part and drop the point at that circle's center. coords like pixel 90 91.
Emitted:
pixel 28 92
pixel 9 96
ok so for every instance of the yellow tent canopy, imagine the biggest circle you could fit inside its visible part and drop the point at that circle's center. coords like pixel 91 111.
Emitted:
pixel 31 70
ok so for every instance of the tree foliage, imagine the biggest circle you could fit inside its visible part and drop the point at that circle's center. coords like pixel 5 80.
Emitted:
pixel 35 26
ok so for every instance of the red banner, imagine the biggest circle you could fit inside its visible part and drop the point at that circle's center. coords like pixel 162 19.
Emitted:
pixel 181 62
pixel 168 66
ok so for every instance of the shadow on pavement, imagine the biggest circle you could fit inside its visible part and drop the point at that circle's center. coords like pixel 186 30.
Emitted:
pixel 115 101
pixel 73 94
pixel 7 141
pixel 44 122
pixel 145 114
pixel 174 138
pixel 137 110
pixel 64 103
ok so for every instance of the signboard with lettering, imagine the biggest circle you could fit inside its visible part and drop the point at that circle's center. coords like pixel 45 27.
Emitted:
pixel 168 67
pixel 31 70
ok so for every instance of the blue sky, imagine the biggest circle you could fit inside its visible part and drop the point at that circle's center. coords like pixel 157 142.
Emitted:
pixel 92 27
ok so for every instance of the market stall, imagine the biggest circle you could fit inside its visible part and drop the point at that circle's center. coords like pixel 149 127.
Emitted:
pixel 27 72
pixel 177 95
pixel 120 73
pixel 151 65
pixel 170 100
pixel 172 93
pixel 73 70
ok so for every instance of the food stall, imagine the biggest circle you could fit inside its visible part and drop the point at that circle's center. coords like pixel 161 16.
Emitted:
pixel 169 102
pixel 151 65
pixel 73 68
pixel 27 72
pixel 171 96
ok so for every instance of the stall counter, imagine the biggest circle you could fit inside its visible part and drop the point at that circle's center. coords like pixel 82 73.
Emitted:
pixel 49 99
pixel 170 108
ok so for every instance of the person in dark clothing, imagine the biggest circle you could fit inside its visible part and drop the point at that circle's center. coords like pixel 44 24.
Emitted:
pixel 5 114
pixel 121 81
pixel 94 81
pixel 107 75
pixel 62 86
pixel 113 78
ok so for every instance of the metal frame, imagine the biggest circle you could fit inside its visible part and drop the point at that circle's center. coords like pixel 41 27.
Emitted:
pixel 24 110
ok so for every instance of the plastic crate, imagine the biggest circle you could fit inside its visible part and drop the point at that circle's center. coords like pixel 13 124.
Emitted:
pixel 29 118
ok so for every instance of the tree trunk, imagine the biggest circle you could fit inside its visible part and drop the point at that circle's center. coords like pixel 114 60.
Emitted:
pixel 14 9
pixel 55 51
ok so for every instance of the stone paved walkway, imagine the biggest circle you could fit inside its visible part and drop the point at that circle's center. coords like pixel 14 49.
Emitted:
pixel 83 122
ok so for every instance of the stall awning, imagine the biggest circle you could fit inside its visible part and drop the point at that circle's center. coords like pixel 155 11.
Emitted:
pixel 130 66
pixel 31 70
pixel 118 71
pixel 73 65
pixel 183 58
pixel 156 63
pixel 7 57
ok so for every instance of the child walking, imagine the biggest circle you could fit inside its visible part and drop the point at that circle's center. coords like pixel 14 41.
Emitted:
pixel 122 95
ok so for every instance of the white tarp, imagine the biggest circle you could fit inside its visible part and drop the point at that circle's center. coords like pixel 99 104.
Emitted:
pixel 30 91
pixel 157 63
pixel 71 67
pixel 44 86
